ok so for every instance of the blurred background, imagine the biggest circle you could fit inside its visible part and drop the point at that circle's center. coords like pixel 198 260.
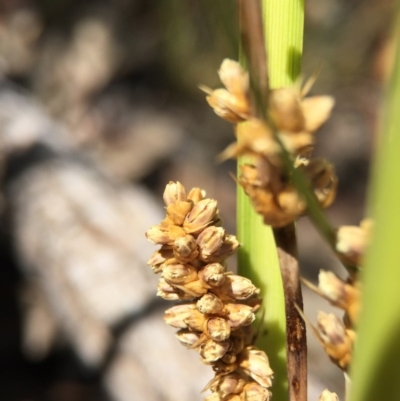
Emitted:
pixel 99 109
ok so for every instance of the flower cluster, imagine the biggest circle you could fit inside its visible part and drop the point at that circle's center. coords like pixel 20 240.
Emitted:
pixel 215 319
pixel 295 120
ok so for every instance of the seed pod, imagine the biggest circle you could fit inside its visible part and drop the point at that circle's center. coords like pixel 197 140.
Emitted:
pixel 201 216
pixel 316 110
pixel 174 192
pixel 235 79
pixel 212 275
pixel 179 274
pixel 227 248
pixel 185 249
pixel 255 363
pixel 228 384
pixel 177 212
pixel 209 241
pixel 176 315
pixel 236 288
pixel 188 337
pixel 195 320
pixel 239 315
pixel 170 293
pixel 328 396
pixel 211 351
pixel 196 195
pixel 209 304
pixel 217 328
pixel 254 392
pixel 194 288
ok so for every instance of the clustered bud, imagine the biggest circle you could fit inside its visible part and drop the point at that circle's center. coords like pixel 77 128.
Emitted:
pixel 220 306
pixel 295 118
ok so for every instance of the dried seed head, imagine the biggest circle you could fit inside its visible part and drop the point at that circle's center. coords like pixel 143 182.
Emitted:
pixel 254 392
pixel 211 351
pixel 187 337
pixel 174 192
pixel 217 328
pixel 196 195
pixel 164 234
pixel 285 109
pixel 236 288
pixel 255 363
pixel 212 275
pixel 185 249
pixel 179 274
pixel 209 304
pixel 239 315
pixel 209 241
pixel 228 384
pixel 202 215
pixel 235 79
pixel 328 396
pixel 176 315
pixel 177 212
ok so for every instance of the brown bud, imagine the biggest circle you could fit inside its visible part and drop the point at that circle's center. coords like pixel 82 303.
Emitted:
pixel 195 321
pixel 212 275
pixel 209 304
pixel 255 363
pixel 224 368
pixel 185 249
pixel 179 274
pixel 328 396
pixel 194 288
pixel 228 384
pixel 236 288
pixel 217 328
pixel 239 315
pixel 177 212
pixel 211 351
pixel 187 337
pixel 254 392
pixel 227 248
pixel 176 315
pixel 201 216
pixel 170 293
pixel 174 192
pixel 209 241
pixel 229 358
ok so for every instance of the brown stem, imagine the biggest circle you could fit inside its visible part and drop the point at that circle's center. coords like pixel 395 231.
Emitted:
pixel 296 344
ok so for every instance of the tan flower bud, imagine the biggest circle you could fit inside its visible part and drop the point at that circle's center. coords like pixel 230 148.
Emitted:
pixel 254 392
pixel 176 315
pixel 227 248
pixel 185 249
pixel 239 315
pixel 231 107
pixel 209 304
pixel 164 234
pixel 285 109
pixel 228 384
pixel 158 258
pixel 201 216
pixel 170 293
pixel 211 351
pixel 174 192
pixel 177 212
pixel 179 274
pixel 187 337
pixel 209 241
pixel 196 320
pixel 235 79
pixel 316 110
pixel 217 328
pixel 328 396
pixel 340 294
pixel 196 195
pixel 336 340
pixel 194 288
pixel 236 288
pixel 212 275
pixel 255 363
